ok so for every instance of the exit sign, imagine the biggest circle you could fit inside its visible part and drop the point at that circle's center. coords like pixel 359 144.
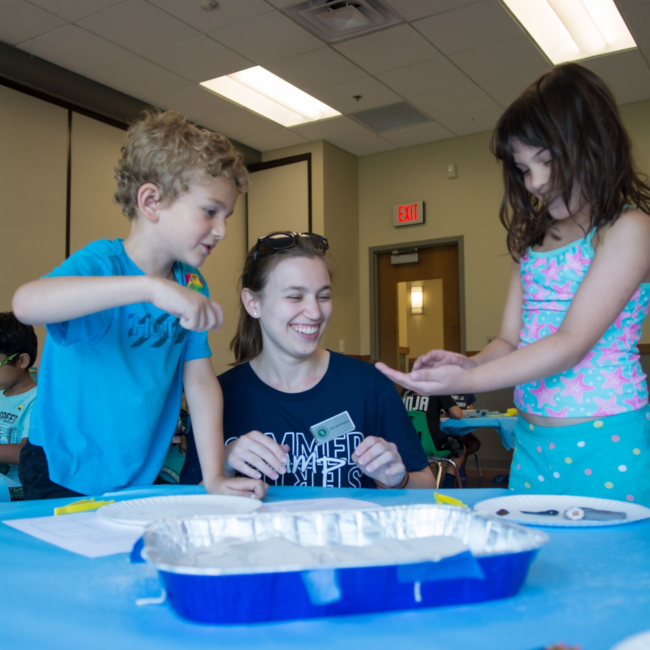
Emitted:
pixel 408 214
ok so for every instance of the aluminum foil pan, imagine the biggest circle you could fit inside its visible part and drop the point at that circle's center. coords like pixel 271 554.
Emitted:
pixel 170 544
pixel 495 566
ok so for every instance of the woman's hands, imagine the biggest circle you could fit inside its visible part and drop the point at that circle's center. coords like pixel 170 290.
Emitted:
pixel 437 372
pixel 380 460
pixel 254 454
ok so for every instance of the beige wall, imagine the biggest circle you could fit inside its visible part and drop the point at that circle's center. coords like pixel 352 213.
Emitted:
pixel 93 212
pixel 341 227
pixel 33 173
pixel 467 205
pixel 221 271
pixel 278 199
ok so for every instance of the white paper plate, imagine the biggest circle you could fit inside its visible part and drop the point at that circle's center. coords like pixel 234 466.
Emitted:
pixel 140 512
pixel 539 502
pixel 637 642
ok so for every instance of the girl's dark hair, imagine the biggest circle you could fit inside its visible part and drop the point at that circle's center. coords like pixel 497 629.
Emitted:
pixel 572 113
pixel 247 342
pixel 17 338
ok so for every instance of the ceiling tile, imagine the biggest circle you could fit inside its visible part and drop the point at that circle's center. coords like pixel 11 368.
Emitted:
pixel 139 78
pixel 419 134
pixel 267 38
pixel 281 4
pixel 75 9
pixel 138 26
pixel 514 56
pixel 22 21
pixel 626 73
pixel 199 59
pixel 425 78
pixel 447 103
pixel 193 101
pixel 63 47
pixel 240 124
pixel 346 134
pixel 465 28
pixel 467 123
pixel 341 96
pixel 391 48
pixel 414 9
pixel 323 67
pixel 505 90
pixel 638 22
pixel 274 140
pixel 227 13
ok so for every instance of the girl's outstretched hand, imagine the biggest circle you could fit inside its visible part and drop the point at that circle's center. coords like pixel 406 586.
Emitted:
pixel 435 358
pixel 441 380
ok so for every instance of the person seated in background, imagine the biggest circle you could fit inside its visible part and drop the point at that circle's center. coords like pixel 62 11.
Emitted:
pixel 296 414
pixel 466 402
pixel 432 406
pixel 471 442
pixel 18 350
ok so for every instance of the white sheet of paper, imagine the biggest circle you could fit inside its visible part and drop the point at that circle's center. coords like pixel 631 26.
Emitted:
pixel 316 505
pixel 83 533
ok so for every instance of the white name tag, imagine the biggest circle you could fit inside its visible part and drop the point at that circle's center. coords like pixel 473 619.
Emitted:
pixel 332 428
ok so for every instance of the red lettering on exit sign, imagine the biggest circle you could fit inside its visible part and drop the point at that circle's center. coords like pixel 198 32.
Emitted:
pixel 408 214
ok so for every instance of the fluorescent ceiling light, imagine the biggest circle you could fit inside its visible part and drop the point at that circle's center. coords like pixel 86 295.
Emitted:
pixel 266 94
pixel 570 30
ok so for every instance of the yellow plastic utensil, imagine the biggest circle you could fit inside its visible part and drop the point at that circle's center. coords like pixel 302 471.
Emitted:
pixel 83 505
pixel 441 499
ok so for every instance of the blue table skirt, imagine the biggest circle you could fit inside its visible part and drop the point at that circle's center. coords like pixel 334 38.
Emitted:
pixel 505 426
pixel 588 587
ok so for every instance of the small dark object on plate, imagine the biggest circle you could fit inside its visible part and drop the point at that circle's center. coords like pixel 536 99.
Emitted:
pixel 502 512
pixel 547 513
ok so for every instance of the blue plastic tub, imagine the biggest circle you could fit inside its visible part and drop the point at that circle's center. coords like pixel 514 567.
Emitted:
pixel 495 566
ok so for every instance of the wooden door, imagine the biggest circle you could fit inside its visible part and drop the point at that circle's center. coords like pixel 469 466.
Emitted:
pixel 436 262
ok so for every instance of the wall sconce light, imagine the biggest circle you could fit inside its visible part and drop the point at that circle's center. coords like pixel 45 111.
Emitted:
pixel 417 300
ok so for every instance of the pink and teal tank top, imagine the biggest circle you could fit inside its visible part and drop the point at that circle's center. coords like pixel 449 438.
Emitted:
pixel 609 380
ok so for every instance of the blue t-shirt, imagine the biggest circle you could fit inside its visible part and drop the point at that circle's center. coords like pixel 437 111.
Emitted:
pixel 15 418
pixel 348 385
pixel 110 383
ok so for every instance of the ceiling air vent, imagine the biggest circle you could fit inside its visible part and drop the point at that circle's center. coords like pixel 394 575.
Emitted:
pixel 340 20
pixel 389 118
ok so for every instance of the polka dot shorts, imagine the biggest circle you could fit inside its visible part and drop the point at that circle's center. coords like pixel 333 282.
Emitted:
pixel 607 458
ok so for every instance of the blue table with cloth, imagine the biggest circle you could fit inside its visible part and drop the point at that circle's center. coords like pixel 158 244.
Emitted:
pixel 504 425
pixel 589 587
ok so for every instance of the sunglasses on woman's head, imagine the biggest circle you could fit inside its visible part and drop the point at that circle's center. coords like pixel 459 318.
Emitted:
pixel 278 241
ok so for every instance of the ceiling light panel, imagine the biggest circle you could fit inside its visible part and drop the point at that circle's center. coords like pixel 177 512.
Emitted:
pixel 570 30
pixel 268 95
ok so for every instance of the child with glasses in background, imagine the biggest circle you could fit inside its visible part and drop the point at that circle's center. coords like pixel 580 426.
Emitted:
pixel 18 350
pixel 297 414
pixel 127 324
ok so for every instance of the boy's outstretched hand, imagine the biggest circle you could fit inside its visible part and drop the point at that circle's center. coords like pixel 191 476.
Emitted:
pixel 194 310
pixel 238 487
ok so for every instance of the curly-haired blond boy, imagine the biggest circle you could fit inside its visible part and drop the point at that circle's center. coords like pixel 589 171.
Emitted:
pixel 127 323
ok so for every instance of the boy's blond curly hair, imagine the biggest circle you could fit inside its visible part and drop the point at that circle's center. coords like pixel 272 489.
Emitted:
pixel 167 150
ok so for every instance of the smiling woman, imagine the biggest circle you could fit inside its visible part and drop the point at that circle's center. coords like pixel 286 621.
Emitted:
pixel 294 413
